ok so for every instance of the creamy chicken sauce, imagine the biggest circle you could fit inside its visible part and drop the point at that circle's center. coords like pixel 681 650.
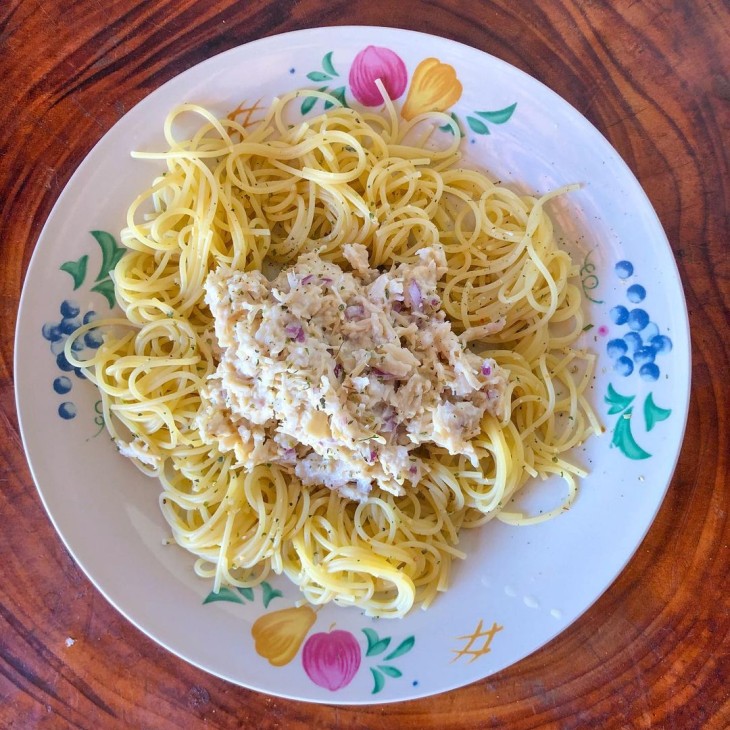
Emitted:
pixel 340 376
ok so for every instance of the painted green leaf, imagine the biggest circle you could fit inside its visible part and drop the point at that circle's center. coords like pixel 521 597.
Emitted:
pixel 617 401
pixel 310 101
pixel 372 636
pixel 623 439
pixel 376 645
pixel 270 593
pixel 500 116
pixel 111 252
pixel 77 269
pixel 379 647
pixel 327 64
pixel 477 126
pixel 448 128
pixel 318 76
pixel 405 646
pixel 106 288
pixel 224 594
pixel 379 680
pixel 339 94
pixel 247 593
pixel 308 104
pixel 390 671
pixel 653 413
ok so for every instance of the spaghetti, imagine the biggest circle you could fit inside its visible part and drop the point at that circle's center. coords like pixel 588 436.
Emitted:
pixel 246 197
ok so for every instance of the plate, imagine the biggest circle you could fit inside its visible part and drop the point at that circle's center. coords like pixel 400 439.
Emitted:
pixel 518 587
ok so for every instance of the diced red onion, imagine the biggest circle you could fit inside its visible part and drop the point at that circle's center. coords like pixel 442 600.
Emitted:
pixel 397 306
pixel 373 455
pixel 325 280
pixel 307 279
pixel 290 454
pixel 338 370
pixel 295 331
pixel 414 292
pixel 354 311
pixel 378 373
pixel 413 470
pixel 389 420
pixel 486 369
pixel 390 424
pixel 434 302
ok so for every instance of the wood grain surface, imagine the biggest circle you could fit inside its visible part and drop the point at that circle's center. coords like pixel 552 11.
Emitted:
pixel 653 76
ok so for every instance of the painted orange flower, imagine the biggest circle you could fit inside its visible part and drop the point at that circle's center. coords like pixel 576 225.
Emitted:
pixel 434 87
pixel 278 635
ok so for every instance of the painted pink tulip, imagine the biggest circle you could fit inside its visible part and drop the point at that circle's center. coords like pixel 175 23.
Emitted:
pixel 331 659
pixel 375 63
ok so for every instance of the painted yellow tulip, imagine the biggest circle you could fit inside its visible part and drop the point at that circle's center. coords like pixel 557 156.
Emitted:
pixel 278 635
pixel 434 87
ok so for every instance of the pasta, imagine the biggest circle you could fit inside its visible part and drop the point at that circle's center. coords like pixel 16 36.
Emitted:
pixel 257 196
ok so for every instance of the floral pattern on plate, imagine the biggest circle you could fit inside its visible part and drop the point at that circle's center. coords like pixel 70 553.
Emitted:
pixel 635 352
pixel 56 332
pixel 331 658
pixel 434 87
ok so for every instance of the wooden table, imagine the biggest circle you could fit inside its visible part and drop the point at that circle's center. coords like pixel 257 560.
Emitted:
pixel 653 77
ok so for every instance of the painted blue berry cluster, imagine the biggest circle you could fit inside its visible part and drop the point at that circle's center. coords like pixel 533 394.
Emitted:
pixel 56 333
pixel 642 342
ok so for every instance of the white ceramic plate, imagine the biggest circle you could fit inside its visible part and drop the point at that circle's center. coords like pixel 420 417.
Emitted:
pixel 519 587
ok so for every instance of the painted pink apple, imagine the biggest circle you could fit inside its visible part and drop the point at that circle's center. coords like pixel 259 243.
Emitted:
pixel 371 64
pixel 331 659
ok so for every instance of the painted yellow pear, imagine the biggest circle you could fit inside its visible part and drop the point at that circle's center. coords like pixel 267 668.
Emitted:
pixel 278 635
pixel 434 88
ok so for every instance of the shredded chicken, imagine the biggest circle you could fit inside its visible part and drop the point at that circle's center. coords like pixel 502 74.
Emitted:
pixel 340 375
